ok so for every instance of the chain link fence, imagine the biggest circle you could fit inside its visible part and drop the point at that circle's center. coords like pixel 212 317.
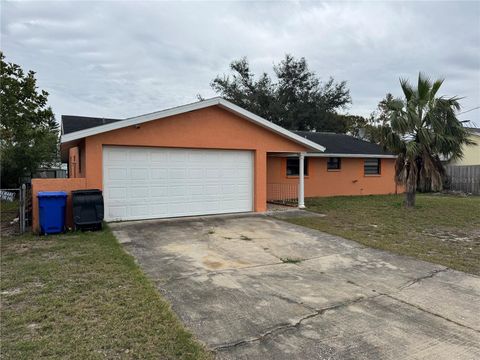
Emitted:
pixel 15 210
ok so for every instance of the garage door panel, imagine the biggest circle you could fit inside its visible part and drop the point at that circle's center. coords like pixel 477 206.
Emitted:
pixel 196 190
pixel 177 191
pixel 158 173
pixel 139 193
pixel 114 212
pixel 142 183
pixel 116 193
pixel 135 211
pixel 158 191
pixel 212 189
pixel 138 155
pixel 139 174
pixel 117 173
pixel 195 173
pixel 117 154
pixel 177 156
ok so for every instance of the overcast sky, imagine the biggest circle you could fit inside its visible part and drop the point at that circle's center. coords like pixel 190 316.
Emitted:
pixel 121 59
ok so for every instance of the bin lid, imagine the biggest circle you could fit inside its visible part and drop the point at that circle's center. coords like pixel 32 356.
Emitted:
pixel 86 192
pixel 52 194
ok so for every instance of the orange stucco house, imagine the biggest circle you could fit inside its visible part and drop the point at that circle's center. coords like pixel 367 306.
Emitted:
pixel 209 157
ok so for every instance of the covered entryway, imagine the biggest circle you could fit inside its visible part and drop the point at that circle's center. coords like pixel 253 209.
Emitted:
pixel 148 182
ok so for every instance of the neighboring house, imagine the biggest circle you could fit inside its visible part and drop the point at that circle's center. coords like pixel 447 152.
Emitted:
pixel 471 153
pixel 208 157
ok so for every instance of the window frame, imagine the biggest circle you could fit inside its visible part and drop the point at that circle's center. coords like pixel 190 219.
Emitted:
pixel 339 164
pixel 305 167
pixel 378 166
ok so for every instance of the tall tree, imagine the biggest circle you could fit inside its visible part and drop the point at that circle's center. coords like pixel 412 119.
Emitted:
pixel 378 119
pixel 28 132
pixel 421 128
pixel 297 100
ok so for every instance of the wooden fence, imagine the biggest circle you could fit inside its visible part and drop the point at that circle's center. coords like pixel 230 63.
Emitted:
pixel 464 178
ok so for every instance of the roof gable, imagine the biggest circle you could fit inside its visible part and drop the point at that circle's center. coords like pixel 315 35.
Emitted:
pixel 247 115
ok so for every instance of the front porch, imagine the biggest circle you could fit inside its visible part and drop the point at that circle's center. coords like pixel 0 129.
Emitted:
pixel 290 190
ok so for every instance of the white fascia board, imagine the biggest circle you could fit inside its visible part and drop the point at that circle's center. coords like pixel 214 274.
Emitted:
pixel 138 120
pixel 363 156
pixel 191 107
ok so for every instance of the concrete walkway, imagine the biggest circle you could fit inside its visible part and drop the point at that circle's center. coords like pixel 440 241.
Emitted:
pixel 253 287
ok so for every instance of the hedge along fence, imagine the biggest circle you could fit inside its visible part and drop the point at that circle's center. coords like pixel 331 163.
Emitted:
pixel 464 178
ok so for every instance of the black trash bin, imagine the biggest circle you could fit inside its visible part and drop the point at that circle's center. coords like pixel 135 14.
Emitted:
pixel 87 209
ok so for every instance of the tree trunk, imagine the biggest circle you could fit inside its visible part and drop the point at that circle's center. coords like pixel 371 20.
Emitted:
pixel 411 188
pixel 409 199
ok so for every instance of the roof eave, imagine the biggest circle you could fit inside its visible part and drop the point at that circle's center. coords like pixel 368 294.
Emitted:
pixel 325 154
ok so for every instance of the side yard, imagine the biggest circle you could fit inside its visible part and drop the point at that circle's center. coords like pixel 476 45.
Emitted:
pixel 441 229
pixel 81 296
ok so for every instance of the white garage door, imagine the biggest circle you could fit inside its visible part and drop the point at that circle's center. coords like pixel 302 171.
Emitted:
pixel 148 183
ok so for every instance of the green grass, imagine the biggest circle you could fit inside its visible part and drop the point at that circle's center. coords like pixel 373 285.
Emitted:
pixel 8 210
pixel 8 205
pixel 80 296
pixel 441 229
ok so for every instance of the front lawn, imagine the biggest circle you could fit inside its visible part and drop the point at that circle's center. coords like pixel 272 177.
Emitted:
pixel 80 296
pixel 441 229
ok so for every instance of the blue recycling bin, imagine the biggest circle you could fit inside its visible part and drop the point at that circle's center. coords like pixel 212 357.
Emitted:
pixel 51 206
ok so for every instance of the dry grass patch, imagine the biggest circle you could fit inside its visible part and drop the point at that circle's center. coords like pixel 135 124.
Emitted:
pixel 81 296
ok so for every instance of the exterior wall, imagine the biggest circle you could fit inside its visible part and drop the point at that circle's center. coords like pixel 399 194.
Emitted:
pixel 73 163
pixel 471 153
pixel 210 128
pixel 66 185
pixel 349 180
pixel 76 161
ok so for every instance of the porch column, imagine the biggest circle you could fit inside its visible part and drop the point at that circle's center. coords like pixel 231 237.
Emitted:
pixel 301 182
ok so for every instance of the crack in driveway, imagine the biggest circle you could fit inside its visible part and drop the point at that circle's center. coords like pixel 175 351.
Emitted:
pixel 283 327
pixel 316 312
pixel 421 278
pixel 431 313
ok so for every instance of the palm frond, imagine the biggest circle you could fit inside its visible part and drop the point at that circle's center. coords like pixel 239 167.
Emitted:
pixel 435 87
pixel 407 89
pixel 412 150
pixel 423 88
pixel 395 105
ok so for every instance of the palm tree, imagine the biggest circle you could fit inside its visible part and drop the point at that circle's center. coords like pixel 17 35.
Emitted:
pixel 421 129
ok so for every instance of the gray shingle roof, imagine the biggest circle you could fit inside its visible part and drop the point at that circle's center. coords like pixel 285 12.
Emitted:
pixel 72 123
pixel 473 130
pixel 334 143
pixel 343 144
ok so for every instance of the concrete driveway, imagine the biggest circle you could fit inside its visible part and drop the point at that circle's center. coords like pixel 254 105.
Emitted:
pixel 233 283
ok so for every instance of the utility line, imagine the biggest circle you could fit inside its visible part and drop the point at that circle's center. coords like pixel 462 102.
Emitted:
pixel 464 112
